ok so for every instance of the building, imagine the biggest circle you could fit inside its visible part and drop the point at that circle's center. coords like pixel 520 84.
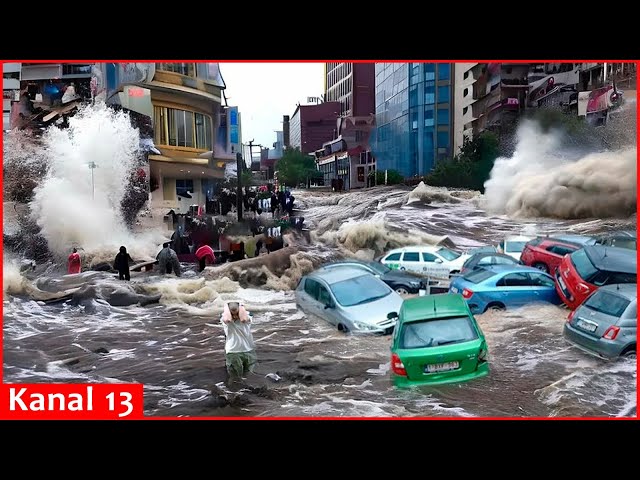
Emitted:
pixel 492 96
pixel 413 116
pixel 311 126
pixel 10 91
pixel 285 131
pixel 353 85
pixel 194 136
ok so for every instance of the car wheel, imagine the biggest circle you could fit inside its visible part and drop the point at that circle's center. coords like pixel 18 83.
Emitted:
pixel 541 266
pixel 495 307
pixel 402 290
pixel 629 353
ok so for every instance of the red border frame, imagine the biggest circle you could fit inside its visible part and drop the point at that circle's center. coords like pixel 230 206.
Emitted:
pixel 3 415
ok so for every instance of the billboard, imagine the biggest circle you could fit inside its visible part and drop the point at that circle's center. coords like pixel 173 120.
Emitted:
pixel 234 137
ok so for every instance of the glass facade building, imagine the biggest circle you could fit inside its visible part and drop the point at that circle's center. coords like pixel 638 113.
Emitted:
pixel 413 116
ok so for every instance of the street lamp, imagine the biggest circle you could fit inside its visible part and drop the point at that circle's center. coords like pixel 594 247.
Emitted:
pixel 92 166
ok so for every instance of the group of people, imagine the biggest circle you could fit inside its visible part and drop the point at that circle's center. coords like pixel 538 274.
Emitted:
pixel 240 355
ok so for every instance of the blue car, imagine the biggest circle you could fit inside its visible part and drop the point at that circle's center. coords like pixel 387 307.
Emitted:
pixel 504 286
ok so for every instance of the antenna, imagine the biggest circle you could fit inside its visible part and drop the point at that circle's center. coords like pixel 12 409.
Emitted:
pixel 434 306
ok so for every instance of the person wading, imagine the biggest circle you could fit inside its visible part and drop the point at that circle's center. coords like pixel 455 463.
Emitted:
pixel 74 262
pixel 168 261
pixel 239 346
pixel 205 255
pixel 121 263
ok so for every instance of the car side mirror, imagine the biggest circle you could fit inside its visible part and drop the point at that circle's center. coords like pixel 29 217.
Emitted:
pixel 392 315
pixel 438 260
pixel 328 305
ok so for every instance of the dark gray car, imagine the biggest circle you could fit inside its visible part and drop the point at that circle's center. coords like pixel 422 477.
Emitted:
pixel 402 282
pixel 605 324
pixel 621 239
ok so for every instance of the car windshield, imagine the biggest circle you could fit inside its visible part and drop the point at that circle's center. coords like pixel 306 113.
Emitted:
pixel 514 247
pixel 448 254
pixel 359 290
pixel 379 268
pixel 432 333
pixel 607 303
pixel 583 265
pixel 477 276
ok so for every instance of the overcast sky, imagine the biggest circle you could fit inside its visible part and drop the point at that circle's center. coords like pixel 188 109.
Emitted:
pixel 264 92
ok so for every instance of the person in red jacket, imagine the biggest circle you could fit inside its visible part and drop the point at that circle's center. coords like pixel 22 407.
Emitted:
pixel 204 253
pixel 74 264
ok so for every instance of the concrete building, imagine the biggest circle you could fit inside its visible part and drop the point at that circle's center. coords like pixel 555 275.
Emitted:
pixel 463 101
pixel 312 125
pixel 414 103
pixel 353 85
pixel 10 91
pixel 193 134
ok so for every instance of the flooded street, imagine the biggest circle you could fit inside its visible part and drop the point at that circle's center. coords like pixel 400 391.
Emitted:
pixel 176 349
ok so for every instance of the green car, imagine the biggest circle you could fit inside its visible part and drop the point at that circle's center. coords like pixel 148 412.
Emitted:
pixel 437 340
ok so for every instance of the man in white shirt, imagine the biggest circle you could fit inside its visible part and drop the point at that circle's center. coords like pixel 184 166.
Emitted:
pixel 239 346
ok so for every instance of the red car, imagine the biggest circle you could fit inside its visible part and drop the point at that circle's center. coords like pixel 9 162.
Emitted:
pixel 591 267
pixel 546 253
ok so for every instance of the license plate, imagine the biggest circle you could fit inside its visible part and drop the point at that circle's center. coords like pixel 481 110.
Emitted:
pixel 441 367
pixel 588 326
pixel 455 290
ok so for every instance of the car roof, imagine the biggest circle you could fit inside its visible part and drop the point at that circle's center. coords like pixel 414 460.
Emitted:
pixel 612 259
pixel 433 306
pixel 511 269
pixel 627 290
pixel 621 234
pixel 416 248
pixel 518 238
pixel 335 275
pixel 345 263
pixel 479 255
pixel 574 239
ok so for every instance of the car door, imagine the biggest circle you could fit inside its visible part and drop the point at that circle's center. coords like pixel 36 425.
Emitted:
pixel 514 289
pixel 411 261
pixel 555 254
pixel 434 266
pixel 543 287
pixel 325 298
pixel 392 261
pixel 308 298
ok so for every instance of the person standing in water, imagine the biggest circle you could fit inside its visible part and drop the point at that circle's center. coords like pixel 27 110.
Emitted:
pixel 74 264
pixel 239 346
pixel 121 264
pixel 205 254
pixel 168 261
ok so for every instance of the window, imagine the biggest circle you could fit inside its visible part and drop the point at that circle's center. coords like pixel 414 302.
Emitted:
pixel 432 333
pixel 181 128
pixel 447 254
pixel 359 290
pixel 394 257
pixel 443 116
pixel 443 139
pixel 184 188
pixel 188 69
pixel 444 70
pixel 466 75
pixel 607 303
pixel 443 94
pixel 429 93
pixel 429 71
pixel 540 280
pixel 514 280
pixel 465 93
pixel 411 257
pixel 323 296
pixel 560 250
pixel 312 287
pixel 465 110
pixel 477 276
pixel 583 265
pixel 428 117
pixel 428 257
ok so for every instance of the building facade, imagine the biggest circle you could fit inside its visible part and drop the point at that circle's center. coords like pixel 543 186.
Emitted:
pixel 10 91
pixel 311 126
pixel 192 133
pixel 414 103
pixel 353 85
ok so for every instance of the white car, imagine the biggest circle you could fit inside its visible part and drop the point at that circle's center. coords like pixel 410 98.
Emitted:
pixel 513 246
pixel 426 260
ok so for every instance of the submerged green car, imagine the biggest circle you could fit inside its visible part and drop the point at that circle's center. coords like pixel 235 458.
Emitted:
pixel 437 340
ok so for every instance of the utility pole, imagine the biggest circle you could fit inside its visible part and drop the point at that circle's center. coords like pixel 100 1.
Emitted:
pixel 92 166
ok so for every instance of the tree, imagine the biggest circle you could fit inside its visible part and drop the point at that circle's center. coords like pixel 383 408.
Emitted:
pixel 296 167
pixel 470 168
